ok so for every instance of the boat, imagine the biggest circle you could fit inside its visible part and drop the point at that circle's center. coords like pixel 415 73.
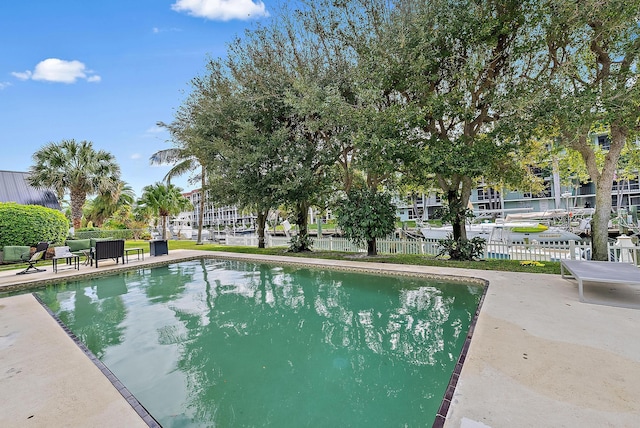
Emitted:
pixel 627 222
pixel 576 220
pixel 522 232
pixel 508 232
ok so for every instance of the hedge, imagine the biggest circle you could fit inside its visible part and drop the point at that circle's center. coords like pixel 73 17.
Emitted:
pixel 30 224
pixel 108 233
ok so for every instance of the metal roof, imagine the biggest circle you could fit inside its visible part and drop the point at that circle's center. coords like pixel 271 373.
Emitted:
pixel 14 187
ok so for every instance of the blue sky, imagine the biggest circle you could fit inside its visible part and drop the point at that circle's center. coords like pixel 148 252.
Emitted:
pixel 107 72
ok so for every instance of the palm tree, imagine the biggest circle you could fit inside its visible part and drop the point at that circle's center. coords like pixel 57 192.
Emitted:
pixel 105 205
pixel 183 161
pixel 163 200
pixel 77 168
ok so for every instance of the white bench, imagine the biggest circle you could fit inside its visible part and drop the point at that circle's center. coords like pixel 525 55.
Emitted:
pixel 597 271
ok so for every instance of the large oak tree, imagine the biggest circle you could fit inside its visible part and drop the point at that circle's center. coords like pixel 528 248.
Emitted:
pixel 593 56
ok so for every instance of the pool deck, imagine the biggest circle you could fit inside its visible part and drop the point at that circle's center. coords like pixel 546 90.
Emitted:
pixel 538 356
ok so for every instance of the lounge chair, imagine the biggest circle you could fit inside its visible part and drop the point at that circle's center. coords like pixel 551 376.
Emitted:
pixel 40 253
pixel 599 271
pixel 42 246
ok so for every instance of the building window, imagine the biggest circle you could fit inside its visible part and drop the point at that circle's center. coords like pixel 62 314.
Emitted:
pixel 604 142
pixel 487 193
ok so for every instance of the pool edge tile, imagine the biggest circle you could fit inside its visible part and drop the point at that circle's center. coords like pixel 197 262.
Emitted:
pixel 109 375
pixel 441 416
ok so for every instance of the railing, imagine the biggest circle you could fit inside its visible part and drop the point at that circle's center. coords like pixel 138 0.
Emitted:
pixel 538 252
pixel 625 254
pixel 495 250
pixel 407 246
pixel 241 240
pixel 336 244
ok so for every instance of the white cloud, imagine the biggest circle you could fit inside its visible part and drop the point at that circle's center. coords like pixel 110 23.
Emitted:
pixel 58 70
pixel 136 156
pixel 4 85
pixel 222 10
pixel 158 30
pixel 22 76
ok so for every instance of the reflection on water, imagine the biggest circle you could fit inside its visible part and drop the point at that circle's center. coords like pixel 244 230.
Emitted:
pixel 225 343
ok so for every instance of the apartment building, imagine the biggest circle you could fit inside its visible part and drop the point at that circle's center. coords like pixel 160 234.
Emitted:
pixel 217 217
pixel 625 195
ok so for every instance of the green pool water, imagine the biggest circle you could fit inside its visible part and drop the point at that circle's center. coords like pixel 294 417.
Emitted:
pixel 215 343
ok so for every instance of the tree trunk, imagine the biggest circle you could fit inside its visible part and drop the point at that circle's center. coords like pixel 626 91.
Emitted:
pixel 604 184
pixel 416 212
pixel 600 222
pixel 261 221
pixel 556 182
pixel 164 227
pixel 77 202
pixel 302 220
pixel 372 249
pixel 457 219
pixel 458 199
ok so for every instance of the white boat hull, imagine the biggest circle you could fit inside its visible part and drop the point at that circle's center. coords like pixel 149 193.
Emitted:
pixel 492 232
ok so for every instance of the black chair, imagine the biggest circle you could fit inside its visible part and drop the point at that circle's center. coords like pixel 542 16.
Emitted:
pixel 42 246
pixel 40 254
pixel 113 249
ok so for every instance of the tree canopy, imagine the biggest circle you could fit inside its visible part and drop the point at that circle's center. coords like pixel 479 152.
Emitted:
pixel 331 96
pixel 164 201
pixel 77 168
pixel 591 86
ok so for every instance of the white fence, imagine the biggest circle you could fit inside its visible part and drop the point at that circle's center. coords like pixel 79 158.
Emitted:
pixel 534 252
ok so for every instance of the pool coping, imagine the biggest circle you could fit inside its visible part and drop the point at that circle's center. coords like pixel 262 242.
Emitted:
pixel 528 321
pixel 439 418
pixel 111 377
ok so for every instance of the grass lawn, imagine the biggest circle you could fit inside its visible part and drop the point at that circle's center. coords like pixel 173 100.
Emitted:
pixel 494 264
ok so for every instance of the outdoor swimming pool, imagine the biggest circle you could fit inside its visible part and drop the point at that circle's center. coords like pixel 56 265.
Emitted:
pixel 227 343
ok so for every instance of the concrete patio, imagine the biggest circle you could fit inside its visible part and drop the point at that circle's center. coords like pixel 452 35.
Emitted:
pixel 538 356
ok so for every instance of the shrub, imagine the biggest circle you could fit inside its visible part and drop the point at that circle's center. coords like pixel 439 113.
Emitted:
pixel 470 249
pixel 366 215
pixel 299 243
pixel 30 224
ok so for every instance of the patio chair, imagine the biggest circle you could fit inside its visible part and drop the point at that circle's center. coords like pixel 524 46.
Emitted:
pixel 109 249
pixel 64 253
pixel 42 246
pixel 41 251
